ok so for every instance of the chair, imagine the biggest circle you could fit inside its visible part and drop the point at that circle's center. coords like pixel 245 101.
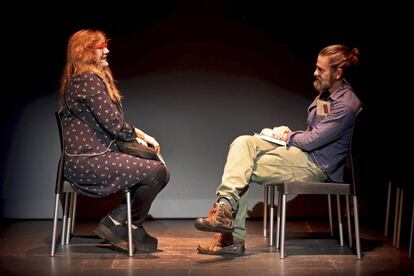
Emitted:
pixel 401 190
pixel 320 188
pixel 268 190
pixel 393 181
pixel 65 192
pixel 410 248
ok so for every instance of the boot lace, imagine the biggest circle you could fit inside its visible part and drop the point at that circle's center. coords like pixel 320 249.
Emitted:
pixel 219 240
pixel 213 211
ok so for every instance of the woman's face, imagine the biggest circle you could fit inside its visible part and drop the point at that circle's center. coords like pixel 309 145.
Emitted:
pixel 102 54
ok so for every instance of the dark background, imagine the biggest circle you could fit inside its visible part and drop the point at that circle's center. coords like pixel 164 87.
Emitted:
pixel 35 38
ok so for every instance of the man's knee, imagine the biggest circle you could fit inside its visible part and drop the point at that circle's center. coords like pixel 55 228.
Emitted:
pixel 242 139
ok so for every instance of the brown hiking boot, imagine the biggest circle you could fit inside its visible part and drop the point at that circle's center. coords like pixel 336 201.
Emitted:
pixel 219 219
pixel 223 244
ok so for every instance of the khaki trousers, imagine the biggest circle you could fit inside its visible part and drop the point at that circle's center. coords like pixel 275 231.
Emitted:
pixel 251 159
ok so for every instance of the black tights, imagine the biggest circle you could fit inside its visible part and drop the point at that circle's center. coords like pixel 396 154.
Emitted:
pixel 142 196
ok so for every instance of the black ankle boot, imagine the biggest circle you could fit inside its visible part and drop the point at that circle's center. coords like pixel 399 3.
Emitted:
pixel 117 235
pixel 143 241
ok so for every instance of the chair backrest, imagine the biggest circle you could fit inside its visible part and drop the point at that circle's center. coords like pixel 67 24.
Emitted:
pixel 352 162
pixel 59 176
pixel 58 115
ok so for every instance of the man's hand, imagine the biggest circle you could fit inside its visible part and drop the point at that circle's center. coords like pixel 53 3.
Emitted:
pixel 281 133
pixel 267 132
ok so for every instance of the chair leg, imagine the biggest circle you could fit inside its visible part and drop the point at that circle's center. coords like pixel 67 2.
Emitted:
pixel 356 222
pixel 70 213
pixel 279 214
pixel 129 222
pixel 330 214
pixel 410 249
pixel 341 232
pixel 65 218
pixel 265 202
pixel 75 201
pixel 272 216
pixel 400 211
pixel 348 217
pixel 55 219
pixel 283 227
pixel 387 212
pixel 397 205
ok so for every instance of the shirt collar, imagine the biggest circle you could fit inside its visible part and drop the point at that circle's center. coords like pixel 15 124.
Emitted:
pixel 340 91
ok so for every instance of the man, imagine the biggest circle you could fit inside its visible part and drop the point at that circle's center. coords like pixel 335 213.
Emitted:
pixel 314 154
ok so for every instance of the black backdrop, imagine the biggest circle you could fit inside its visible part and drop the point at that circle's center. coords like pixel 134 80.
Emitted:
pixel 35 36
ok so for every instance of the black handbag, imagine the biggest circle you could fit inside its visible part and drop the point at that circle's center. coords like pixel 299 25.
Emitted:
pixel 136 149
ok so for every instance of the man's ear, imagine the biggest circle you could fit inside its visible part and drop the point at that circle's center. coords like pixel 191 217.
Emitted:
pixel 339 72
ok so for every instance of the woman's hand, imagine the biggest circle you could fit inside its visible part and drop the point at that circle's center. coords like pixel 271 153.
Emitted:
pixel 152 142
pixel 142 142
pixel 147 140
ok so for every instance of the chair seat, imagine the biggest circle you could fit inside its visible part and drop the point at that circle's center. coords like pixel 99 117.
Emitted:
pixel 297 187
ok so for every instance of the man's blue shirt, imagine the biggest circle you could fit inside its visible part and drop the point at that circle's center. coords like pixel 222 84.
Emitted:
pixel 327 138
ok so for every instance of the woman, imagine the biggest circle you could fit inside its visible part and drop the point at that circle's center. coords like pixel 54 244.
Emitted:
pixel 92 122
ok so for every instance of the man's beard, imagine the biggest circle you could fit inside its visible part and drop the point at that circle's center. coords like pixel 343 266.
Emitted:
pixel 322 86
pixel 318 85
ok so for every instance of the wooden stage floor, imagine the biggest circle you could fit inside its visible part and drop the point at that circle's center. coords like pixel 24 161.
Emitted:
pixel 24 250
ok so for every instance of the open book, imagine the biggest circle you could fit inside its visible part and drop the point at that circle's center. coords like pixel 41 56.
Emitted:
pixel 270 139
